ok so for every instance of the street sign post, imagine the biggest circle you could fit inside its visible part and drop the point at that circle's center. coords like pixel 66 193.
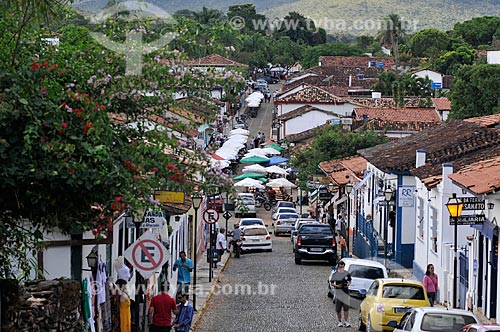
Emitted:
pixel 472 203
pixel 151 219
pixel 469 220
pixel 147 254
pixel 210 216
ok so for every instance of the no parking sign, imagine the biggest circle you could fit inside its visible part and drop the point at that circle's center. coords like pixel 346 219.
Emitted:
pixel 210 216
pixel 147 254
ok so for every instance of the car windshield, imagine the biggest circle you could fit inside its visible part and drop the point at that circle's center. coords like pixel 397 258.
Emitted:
pixel 445 322
pixel 255 231
pixel 315 230
pixel 366 272
pixel 251 222
pixel 403 292
pixel 247 200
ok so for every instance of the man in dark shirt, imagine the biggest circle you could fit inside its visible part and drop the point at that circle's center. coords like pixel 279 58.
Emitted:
pixel 341 281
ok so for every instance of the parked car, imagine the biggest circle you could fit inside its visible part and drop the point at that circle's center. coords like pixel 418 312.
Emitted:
pixel 282 204
pixel 433 319
pixel 256 237
pixel 316 241
pixel 215 202
pixel 245 222
pixel 282 210
pixel 284 222
pixel 388 300
pixel 480 328
pixel 363 272
pixel 245 205
pixel 298 223
pixel 270 80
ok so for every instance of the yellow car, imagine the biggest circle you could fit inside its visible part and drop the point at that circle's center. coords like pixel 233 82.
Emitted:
pixel 388 300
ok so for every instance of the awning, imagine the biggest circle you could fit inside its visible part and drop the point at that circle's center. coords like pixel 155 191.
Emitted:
pixel 487 228
pixel 340 201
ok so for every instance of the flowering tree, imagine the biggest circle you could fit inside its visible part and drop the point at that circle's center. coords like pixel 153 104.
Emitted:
pixel 80 141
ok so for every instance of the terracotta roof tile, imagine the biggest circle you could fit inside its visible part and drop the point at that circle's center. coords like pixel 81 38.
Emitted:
pixel 480 177
pixel 451 142
pixel 342 170
pixel 303 136
pixel 442 104
pixel 310 94
pixel 354 61
pixel 398 114
pixel 385 102
pixel 215 60
pixel 486 121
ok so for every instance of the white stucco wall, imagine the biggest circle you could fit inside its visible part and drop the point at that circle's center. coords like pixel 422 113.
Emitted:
pixel 493 57
pixel 433 76
pixel 306 121
pixel 340 109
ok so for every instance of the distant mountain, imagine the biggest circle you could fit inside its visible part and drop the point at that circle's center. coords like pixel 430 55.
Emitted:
pixel 342 17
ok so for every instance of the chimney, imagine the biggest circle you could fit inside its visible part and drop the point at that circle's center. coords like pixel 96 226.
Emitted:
pixel 421 154
pixel 447 184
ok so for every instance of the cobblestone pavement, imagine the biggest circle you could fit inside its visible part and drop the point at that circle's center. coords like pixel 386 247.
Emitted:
pixel 267 291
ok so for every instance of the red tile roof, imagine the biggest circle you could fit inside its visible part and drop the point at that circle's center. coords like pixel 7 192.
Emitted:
pixel 354 61
pixel 342 170
pixel 442 104
pixel 486 121
pixel 480 177
pixel 310 94
pixel 215 60
pixel 398 114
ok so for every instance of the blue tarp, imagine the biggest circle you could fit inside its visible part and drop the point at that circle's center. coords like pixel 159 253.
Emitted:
pixel 275 160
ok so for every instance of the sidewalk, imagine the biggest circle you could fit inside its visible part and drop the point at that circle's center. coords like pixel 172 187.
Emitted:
pixel 204 288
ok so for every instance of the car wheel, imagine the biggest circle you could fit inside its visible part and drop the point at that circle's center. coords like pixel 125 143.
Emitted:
pixel 362 326
pixel 298 260
pixel 369 326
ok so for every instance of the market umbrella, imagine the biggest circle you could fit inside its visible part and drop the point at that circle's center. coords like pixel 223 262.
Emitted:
pixel 249 183
pixel 275 160
pixel 255 168
pixel 281 182
pixel 276 169
pixel 219 164
pixel 265 151
pixel 251 175
pixel 275 146
pixel 239 131
pixel 255 160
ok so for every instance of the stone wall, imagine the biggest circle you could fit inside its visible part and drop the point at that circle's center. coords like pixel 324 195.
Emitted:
pixel 44 306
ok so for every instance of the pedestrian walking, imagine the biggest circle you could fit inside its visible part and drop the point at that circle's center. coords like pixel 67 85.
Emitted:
pixel 161 309
pixel 184 318
pixel 431 284
pixel 341 280
pixel 343 247
pixel 184 266
pixel 220 246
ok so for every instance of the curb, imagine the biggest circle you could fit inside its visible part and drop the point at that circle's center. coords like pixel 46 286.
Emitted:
pixel 215 281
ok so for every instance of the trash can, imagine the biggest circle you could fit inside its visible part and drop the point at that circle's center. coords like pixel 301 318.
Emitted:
pixel 214 259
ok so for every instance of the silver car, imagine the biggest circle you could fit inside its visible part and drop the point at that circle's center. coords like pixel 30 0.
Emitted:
pixel 285 222
pixel 245 205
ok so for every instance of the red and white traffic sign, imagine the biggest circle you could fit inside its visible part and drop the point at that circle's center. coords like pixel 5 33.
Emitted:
pixel 210 216
pixel 147 254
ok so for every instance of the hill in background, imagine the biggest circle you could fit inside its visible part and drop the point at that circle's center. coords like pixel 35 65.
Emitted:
pixel 340 17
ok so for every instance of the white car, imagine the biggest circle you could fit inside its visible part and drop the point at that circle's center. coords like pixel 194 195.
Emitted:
pixel 433 319
pixel 363 272
pixel 245 205
pixel 282 210
pixel 246 222
pixel 285 222
pixel 256 237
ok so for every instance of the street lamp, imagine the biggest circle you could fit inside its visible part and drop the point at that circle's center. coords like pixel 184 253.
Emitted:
pixel 92 259
pixel 454 207
pixel 317 185
pixel 388 197
pixel 138 280
pixel 348 190
pixel 196 200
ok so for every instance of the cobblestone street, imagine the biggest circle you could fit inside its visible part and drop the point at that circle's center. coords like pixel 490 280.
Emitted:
pixel 267 291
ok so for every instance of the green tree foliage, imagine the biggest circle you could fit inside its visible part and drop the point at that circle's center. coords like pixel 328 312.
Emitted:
pixel 385 82
pixel 301 30
pixel 311 55
pixel 475 91
pixel 390 84
pixel 429 43
pixel 393 32
pixel 478 30
pixel 449 62
pixel 251 20
pixel 330 143
pixel 368 44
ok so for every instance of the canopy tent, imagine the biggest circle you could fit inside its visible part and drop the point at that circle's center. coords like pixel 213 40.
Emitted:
pixel 281 182
pixel 255 168
pixel 216 156
pixel 275 146
pixel 251 175
pixel 240 131
pixel 275 160
pixel 249 183
pixel 255 160
pixel 265 151
pixel 276 169
pixel 251 154
pixel 219 164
